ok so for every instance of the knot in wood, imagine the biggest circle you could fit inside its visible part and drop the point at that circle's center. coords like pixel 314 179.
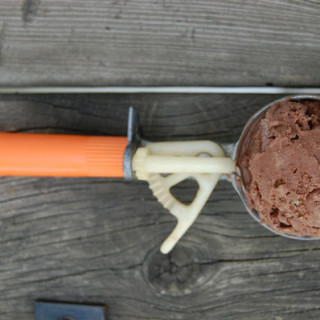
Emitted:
pixel 177 273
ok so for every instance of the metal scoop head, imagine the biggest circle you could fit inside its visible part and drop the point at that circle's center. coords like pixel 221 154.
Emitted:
pixel 238 177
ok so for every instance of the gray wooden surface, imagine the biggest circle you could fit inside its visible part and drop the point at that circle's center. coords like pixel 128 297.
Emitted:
pixel 97 240
pixel 120 42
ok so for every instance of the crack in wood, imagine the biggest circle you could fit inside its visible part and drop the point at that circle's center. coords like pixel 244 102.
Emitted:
pixel 29 9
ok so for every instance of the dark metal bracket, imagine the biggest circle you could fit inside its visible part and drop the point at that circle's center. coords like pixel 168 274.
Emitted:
pixel 66 311
pixel 134 140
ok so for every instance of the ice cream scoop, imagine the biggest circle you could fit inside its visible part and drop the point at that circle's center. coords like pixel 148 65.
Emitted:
pixel 165 164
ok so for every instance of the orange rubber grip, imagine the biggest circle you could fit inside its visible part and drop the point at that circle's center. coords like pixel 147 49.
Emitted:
pixel 32 154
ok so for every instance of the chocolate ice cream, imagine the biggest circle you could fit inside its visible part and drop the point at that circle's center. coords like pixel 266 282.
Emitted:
pixel 280 167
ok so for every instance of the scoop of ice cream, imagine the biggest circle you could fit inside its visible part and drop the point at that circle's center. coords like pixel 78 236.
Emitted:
pixel 280 167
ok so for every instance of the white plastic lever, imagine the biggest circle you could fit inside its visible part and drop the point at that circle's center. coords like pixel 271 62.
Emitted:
pixel 181 160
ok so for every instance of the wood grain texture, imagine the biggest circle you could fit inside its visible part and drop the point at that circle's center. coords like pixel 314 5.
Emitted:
pixel 97 240
pixel 120 42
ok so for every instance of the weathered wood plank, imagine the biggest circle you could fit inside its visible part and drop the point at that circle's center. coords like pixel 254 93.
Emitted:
pixel 97 240
pixel 76 42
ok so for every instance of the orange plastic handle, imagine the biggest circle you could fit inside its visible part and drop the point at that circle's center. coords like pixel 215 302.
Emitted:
pixel 32 154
